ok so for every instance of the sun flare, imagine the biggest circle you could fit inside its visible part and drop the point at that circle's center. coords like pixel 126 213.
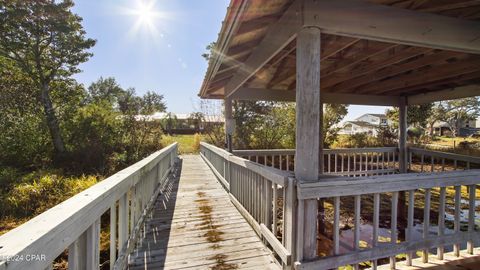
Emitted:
pixel 148 17
pixel 145 12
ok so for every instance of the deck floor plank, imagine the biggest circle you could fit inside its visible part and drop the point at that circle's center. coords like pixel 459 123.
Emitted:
pixel 194 226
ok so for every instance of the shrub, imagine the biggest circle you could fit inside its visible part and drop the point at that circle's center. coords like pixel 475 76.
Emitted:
pixel 30 198
pixel 196 142
pixel 358 140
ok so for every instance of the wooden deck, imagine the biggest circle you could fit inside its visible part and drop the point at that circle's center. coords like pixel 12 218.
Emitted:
pixel 195 226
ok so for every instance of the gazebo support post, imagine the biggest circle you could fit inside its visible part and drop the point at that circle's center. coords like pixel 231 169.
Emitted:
pixel 229 124
pixel 402 157
pixel 402 140
pixel 309 152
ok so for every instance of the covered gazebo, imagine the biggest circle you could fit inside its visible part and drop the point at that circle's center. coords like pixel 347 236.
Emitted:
pixel 366 52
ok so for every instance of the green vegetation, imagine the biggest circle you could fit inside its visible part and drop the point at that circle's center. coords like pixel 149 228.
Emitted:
pixel 187 144
pixel 57 136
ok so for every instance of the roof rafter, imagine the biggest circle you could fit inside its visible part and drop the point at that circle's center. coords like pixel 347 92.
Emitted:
pixel 395 25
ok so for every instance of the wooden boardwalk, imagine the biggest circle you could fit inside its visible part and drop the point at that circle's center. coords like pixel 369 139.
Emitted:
pixel 195 226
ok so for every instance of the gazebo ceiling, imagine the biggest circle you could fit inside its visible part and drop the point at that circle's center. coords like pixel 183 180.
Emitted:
pixel 245 67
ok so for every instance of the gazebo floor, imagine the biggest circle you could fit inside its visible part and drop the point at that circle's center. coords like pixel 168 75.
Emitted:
pixel 195 226
pixel 450 262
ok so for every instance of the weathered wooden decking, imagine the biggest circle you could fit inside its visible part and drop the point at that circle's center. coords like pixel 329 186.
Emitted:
pixel 194 226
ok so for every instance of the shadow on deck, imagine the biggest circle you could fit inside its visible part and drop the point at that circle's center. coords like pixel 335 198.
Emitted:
pixel 195 226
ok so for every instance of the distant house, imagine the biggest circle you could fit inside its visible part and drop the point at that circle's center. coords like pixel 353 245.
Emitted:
pixel 367 123
pixel 466 128
pixel 182 123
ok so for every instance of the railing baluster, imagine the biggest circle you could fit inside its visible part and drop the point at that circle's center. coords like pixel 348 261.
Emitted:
pixel 393 225
pixel 441 221
pixel 410 218
pixel 93 246
pixel 275 209
pixel 77 252
pixel 132 207
pixel 113 235
pixel 426 222
pixel 329 163
pixel 288 162
pixel 376 219
pixel 356 235
pixel 336 157
pixel 122 222
pixel 456 223
pixel 348 162
pixel 471 215
pixel 355 162
pixel 336 225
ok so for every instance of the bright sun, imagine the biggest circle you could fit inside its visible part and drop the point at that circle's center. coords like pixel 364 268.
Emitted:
pixel 145 12
pixel 149 20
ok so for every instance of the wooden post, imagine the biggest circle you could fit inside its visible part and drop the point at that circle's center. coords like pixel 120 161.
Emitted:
pixel 229 124
pixel 308 113
pixel 402 140
pixel 402 156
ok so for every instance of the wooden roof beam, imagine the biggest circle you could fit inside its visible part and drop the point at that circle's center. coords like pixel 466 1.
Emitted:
pixel 365 20
pixel 364 68
pixel 429 75
pixel 430 59
pixel 245 93
pixel 279 35
pixel 447 94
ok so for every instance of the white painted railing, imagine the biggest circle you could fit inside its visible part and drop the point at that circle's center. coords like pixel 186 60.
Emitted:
pixel 261 194
pixel 422 160
pixel 344 161
pixel 74 225
pixel 370 196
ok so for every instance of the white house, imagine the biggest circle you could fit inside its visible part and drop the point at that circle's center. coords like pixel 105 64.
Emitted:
pixel 367 123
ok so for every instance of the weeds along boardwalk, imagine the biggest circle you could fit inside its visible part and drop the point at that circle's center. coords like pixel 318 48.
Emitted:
pixel 195 226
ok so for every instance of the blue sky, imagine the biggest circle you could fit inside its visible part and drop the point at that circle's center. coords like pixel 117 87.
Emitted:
pixel 158 52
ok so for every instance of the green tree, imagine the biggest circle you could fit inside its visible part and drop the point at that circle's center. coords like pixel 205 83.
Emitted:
pixel 458 111
pixel 333 114
pixel 22 140
pixel 417 115
pixel 47 41
pixel 210 51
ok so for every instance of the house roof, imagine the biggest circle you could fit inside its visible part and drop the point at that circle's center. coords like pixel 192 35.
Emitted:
pixel 379 115
pixel 179 116
pixel 255 54
pixel 361 124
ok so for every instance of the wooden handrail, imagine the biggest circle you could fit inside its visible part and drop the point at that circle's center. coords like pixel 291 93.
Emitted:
pixel 269 152
pixel 53 231
pixel 348 186
pixel 445 155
